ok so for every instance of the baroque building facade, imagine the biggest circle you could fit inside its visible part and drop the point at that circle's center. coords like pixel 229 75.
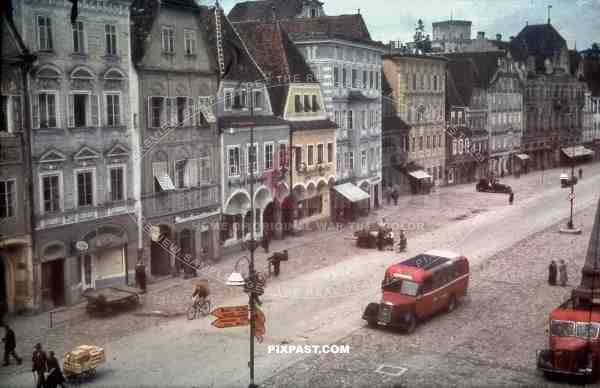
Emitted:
pixel 180 174
pixel 84 197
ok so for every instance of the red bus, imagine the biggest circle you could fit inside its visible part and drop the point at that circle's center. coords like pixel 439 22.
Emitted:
pixel 419 287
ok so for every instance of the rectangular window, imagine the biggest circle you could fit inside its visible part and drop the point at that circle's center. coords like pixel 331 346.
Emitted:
pixel 351 160
pixel 44 26
pixel 355 79
pixel 116 184
pixel 363 159
pixel 181 107
pixel 349 120
pixel 7 199
pixel 420 143
pixel 168 39
pixel 228 100
pixel 4 127
pixel 180 167
pixel 283 156
pixel 258 99
pixel 310 155
pixel 85 187
pixel 298 104
pixel 315 104
pixel 365 78
pixel 157 110
pixel 336 77
pixel 345 77
pixel 234 161
pixel 252 158
pixel 51 193
pixel 190 42
pixel 269 156
pixel 110 31
pixel 298 157
pixel 47 107
pixel 329 152
pixel 80 106
pixel 371 80
pixel 320 151
pixel 428 141
pixel 113 110
pixel 307 107
pixel 413 148
pixel 78 38
pixel 414 82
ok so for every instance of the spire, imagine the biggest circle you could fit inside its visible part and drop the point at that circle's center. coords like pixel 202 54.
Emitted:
pixel 549 8
pixel 589 288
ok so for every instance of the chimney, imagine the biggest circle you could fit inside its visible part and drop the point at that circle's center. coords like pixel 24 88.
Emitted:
pixel 588 291
pixel 274 13
pixel 481 35
pixel 498 37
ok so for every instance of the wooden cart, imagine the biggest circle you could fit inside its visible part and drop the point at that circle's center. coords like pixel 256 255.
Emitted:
pixel 81 362
pixel 107 300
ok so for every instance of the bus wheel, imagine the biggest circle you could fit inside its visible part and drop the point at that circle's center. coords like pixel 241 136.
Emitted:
pixel 411 324
pixel 451 303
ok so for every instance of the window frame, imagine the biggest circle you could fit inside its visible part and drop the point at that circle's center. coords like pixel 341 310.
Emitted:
pixel 106 107
pixel 76 172
pixel 257 159
pixel 48 33
pixel 81 37
pixel 330 151
pixel 238 168
pixel 189 36
pixel 310 155
pixel 123 168
pixel 265 153
pixel 13 198
pixel 111 36
pixel 168 39
pixel 60 202
pixel 54 93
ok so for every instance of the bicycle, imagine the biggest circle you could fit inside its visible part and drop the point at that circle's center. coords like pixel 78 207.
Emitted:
pixel 200 307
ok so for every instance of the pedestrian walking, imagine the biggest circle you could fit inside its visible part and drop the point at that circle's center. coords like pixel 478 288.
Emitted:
pixel 511 198
pixel 39 364
pixel 265 241
pixel 552 270
pixel 580 173
pixel 55 376
pixel 140 275
pixel 388 195
pixel 395 196
pixel 562 273
pixel 10 344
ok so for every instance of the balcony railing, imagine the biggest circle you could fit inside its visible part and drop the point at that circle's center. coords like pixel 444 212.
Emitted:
pixel 72 216
pixel 181 200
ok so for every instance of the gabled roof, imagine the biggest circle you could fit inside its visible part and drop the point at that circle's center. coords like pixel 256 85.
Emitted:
pixel 263 10
pixel 343 27
pixel 238 63
pixel 52 155
pixel 485 62
pixel 461 80
pixel 86 153
pixel 277 56
pixel 118 150
pixel 541 41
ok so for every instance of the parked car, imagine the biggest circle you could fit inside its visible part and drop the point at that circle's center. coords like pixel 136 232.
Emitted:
pixel 492 186
pixel 419 287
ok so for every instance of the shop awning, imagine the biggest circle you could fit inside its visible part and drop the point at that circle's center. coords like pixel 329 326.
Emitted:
pixel 351 192
pixel 577 151
pixel 165 182
pixel 523 156
pixel 419 174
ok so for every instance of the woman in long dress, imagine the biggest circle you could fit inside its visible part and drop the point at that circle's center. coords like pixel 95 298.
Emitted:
pixel 562 273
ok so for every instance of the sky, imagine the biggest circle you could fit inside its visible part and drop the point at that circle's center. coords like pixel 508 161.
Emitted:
pixel 578 21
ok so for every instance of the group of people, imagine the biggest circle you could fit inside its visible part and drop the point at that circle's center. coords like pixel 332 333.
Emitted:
pixel 560 270
pixel 46 368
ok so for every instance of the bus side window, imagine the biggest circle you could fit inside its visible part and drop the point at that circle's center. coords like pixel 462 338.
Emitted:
pixel 427 285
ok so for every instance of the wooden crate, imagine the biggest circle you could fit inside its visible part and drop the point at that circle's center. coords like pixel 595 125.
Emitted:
pixel 83 358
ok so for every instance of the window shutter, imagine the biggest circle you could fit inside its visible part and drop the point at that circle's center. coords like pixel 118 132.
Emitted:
pixel 173 113
pixel 95 106
pixel 71 108
pixel 16 109
pixel 149 112
pixel 35 113
pixel 50 40
pixel 163 113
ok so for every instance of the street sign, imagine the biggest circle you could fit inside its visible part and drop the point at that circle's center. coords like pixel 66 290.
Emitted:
pixel 571 196
pixel 222 323
pixel 231 312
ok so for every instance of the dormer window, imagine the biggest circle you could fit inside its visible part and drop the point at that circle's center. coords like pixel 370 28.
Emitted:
pixel 313 13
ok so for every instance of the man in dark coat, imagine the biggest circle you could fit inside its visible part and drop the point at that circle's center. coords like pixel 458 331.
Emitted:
pixel 10 344
pixel 38 361
pixel 552 272
pixel 55 376
pixel 511 198
pixel 266 241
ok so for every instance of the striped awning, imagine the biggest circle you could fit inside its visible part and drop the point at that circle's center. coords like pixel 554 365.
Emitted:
pixel 577 151
pixel 351 192
pixel 419 174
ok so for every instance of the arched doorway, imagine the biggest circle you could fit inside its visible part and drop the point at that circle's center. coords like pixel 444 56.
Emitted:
pixel 160 258
pixel 262 200
pixel 234 217
pixel 287 215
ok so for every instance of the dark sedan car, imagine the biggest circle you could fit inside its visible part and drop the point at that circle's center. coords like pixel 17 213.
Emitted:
pixel 489 186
